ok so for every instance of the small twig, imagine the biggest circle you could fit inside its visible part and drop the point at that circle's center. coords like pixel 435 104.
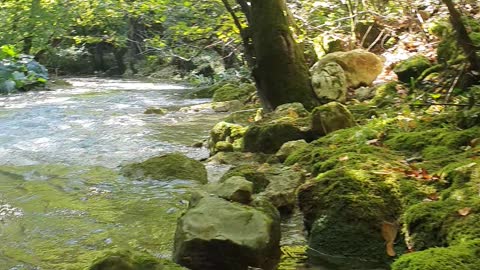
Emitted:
pixel 376 40
pixel 450 90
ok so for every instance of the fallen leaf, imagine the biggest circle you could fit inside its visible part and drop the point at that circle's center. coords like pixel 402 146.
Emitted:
pixel 464 211
pixel 389 233
pixel 344 158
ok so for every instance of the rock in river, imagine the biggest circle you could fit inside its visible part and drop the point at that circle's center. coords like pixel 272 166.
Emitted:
pixel 167 167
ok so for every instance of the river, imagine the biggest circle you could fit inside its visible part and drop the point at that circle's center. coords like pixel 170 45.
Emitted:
pixel 62 200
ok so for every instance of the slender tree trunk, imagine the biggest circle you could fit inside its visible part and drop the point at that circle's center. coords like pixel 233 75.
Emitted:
pixel 35 9
pixel 462 36
pixel 280 71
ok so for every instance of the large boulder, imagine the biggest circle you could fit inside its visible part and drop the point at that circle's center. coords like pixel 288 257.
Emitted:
pixel 360 67
pixel 411 68
pixel 167 167
pixel 330 117
pixel 329 82
pixel 345 212
pixel 127 260
pixel 217 234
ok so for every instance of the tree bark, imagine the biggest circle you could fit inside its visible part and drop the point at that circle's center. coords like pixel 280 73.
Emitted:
pixel 462 36
pixel 280 71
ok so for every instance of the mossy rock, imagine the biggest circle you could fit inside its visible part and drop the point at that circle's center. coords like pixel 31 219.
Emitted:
pixel 227 134
pixel 344 210
pixel 208 91
pixel 251 173
pixel 451 220
pixel 243 117
pixel 238 158
pixel 270 137
pixel 167 167
pixel 469 118
pixel 126 260
pixel 233 92
pixel 411 68
pixel 217 234
pixel 331 117
pixel 464 256
pixel 385 95
pixel 274 182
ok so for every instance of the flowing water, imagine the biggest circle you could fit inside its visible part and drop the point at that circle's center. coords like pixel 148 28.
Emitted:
pixel 62 201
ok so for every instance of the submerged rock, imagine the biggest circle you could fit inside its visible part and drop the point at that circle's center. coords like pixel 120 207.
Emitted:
pixel 153 110
pixel 167 167
pixel 330 117
pixel 126 260
pixel 217 234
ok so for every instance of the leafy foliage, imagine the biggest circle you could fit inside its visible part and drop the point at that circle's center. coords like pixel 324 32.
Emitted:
pixel 19 72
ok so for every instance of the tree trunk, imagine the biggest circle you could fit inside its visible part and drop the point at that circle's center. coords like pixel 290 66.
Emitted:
pixel 462 36
pixel 280 71
pixel 136 43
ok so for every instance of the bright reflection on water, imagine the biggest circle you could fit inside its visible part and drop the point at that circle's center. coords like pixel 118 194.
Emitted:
pixel 99 122
pixel 61 198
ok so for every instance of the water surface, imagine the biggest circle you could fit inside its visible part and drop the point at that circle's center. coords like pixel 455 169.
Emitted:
pixel 62 201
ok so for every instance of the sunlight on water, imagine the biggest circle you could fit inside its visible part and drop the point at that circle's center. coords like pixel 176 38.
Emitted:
pixel 62 200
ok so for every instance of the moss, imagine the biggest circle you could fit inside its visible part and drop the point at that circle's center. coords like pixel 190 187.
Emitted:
pixel 469 118
pixel 244 117
pixel 226 132
pixel 385 95
pixel 126 260
pixel 167 167
pixel 251 173
pixel 344 207
pixel 233 92
pixel 411 68
pixel 269 138
pixel 331 117
pixel 441 223
pixel 465 256
pixel 209 91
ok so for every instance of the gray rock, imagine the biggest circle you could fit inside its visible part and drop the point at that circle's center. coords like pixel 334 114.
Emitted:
pixel 288 148
pixel 218 234
pixel 329 82
pixel 236 189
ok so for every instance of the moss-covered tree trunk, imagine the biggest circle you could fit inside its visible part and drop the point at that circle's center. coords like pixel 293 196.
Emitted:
pixel 280 70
